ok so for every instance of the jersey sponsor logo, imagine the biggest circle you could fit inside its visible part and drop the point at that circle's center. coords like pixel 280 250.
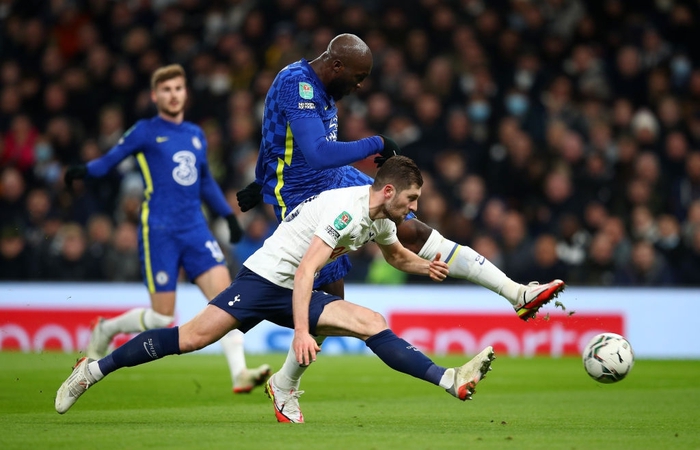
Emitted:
pixel 161 139
pixel 331 231
pixel 197 143
pixel 342 220
pixel 306 105
pixel 162 278
pixel 185 173
pixel 306 90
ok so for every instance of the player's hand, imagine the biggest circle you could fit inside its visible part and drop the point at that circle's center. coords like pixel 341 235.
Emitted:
pixel 438 270
pixel 249 196
pixel 235 231
pixel 305 347
pixel 74 172
pixel 391 148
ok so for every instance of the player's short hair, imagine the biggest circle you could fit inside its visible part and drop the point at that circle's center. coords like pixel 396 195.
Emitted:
pixel 166 73
pixel 399 171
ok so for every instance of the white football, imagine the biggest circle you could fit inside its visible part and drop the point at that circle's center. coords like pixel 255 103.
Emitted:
pixel 608 358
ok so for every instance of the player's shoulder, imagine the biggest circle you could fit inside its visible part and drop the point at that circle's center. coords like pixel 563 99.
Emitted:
pixel 298 71
pixel 137 130
pixel 192 127
pixel 348 199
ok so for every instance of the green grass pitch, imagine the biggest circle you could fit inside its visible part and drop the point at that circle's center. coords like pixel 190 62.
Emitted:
pixel 352 402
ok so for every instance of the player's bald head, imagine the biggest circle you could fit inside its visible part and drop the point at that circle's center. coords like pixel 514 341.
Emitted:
pixel 350 49
pixel 344 65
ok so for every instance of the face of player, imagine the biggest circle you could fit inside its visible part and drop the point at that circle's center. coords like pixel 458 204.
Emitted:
pixel 401 204
pixel 170 97
pixel 348 80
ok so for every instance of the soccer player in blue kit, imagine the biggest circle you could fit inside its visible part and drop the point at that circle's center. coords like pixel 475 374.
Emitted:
pixel 173 232
pixel 301 157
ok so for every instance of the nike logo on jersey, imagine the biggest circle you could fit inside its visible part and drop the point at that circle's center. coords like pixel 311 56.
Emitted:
pixel 161 139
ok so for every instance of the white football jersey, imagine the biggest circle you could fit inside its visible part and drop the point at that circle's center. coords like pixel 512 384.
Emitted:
pixel 340 217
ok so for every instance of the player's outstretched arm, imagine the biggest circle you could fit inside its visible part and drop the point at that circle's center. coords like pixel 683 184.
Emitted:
pixel 320 153
pixel 403 259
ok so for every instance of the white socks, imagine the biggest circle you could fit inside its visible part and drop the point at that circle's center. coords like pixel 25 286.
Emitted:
pixel 136 320
pixel 95 372
pixel 448 379
pixel 464 262
pixel 290 373
pixel 232 342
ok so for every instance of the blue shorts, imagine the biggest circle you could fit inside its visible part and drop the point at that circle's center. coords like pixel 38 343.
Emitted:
pixel 252 299
pixel 163 251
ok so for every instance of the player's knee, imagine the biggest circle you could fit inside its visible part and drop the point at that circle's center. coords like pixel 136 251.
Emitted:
pixel 374 323
pixel 152 319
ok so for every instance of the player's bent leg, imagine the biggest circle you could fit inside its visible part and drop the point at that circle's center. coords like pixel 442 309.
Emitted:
pixel 464 262
pixel 343 318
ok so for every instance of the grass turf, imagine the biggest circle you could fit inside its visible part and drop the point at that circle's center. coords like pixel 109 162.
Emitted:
pixel 351 402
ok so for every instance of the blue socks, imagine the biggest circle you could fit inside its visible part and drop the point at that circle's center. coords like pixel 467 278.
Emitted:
pixel 402 356
pixel 147 346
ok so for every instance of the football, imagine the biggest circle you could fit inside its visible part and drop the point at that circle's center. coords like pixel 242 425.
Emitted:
pixel 608 358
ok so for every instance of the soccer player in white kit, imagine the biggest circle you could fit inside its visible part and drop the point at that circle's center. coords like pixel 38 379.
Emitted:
pixel 276 284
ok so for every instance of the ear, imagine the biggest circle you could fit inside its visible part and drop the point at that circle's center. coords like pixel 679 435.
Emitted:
pixel 153 95
pixel 389 191
pixel 338 66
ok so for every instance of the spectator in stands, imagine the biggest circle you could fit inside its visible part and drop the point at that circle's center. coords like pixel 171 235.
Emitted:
pixel 70 260
pixel 121 259
pixel 545 261
pixel 645 268
pixel 12 192
pixel 16 256
pixel 517 246
pixel 599 268
pixel 690 264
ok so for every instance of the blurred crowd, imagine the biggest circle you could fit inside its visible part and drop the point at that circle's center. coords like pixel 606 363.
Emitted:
pixel 559 138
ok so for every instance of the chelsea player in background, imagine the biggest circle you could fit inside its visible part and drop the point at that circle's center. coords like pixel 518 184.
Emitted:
pixel 301 157
pixel 173 232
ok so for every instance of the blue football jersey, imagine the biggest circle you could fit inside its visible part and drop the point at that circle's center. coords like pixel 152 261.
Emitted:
pixel 286 177
pixel 173 164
